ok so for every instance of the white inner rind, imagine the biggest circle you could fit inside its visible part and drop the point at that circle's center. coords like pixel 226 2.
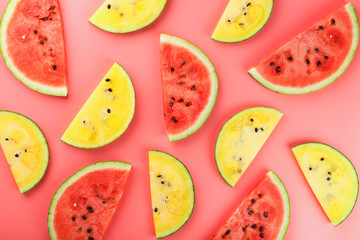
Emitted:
pixel 90 168
pixel 45 89
pixel 214 85
pixel 311 88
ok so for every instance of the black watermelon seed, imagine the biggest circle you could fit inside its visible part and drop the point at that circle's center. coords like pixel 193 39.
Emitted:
pixel 322 159
pixel 316 50
pixel 173 98
pixel 52 7
pixel 110 90
pixel 84 217
pixel 90 238
pixel 44 18
pixel 50 19
pixel 104 202
pixel 162 182
pixel 42 42
pixel 328 179
pixel 321 27
pixel 174 120
pixel 159 176
pixel 155 209
pixel 16 155
pixel 244 13
pixel 326 57
pixel 252 200
pixel 228 232
pixel 181 100
pixel 108 110
pixel 183 63
pixel 45 39
pixel 318 63
pixel 244 228
pixel 333 21
pixel 54 67
pixel 90 209
pixel 73 218
pixel 109 6
pixel 250 212
pixel 262 129
pixel 272 64
pixel 261 229
pixel 256 130
pixel 290 58
pixel 35 32
pixel 266 214
pixel 248 4
pixel 241 24
pixel 188 104
pixel 6 139
pixel 193 87
pixel 228 20
pixel 307 61
pixel 171 104
pixel 25 150
pixel 310 168
pixel 253 226
pixel 107 80
pixel 329 173
pixel 79 229
pixel 261 235
pixel 251 119
pixel 240 159
pixel 88 230
pixel 172 69
pixel 277 69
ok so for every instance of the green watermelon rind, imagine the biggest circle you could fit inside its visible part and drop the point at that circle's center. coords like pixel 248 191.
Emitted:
pixel 45 145
pixel 346 160
pixel 45 89
pixel 127 124
pixel 164 38
pixel 219 136
pixel 193 190
pixel 72 179
pixel 297 90
pixel 133 29
pixel 286 203
pixel 252 34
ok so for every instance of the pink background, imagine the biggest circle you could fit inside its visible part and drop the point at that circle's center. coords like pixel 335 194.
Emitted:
pixel 330 115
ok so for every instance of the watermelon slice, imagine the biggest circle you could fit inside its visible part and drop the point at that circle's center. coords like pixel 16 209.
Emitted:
pixel 263 214
pixel 123 16
pixel 190 86
pixel 332 178
pixel 25 147
pixel 172 193
pixel 242 19
pixel 32 44
pixel 314 58
pixel 241 138
pixel 106 114
pixel 84 204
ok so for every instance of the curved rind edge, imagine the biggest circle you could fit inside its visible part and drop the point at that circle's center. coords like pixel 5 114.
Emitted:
pixel 227 121
pixel 296 90
pixel 44 89
pixel 214 80
pixel 127 125
pixel 46 145
pixel 73 178
pixel 351 164
pixel 193 190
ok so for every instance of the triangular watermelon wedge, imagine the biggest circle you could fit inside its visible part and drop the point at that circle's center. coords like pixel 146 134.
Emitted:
pixel 314 58
pixel 32 44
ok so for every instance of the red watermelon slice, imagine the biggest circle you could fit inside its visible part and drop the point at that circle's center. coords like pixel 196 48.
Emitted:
pixel 32 44
pixel 314 58
pixel 84 204
pixel 263 214
pixel 189 86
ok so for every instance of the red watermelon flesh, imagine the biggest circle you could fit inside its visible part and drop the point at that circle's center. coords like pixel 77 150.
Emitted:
pixel 316 56
pixel 188 86
pixel 86 207
pixel 262 214
pixel 35 44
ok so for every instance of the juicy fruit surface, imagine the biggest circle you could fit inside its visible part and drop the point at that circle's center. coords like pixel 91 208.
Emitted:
pixel 263 214
pixel 241 138
pixel 83 206
pixel 189 86
pixel 106 114
pixel 172 193
pixel 242 19
pixel 122 16
pixel 332 178
pixel 25 149
pixel 314 58
pixel 32 44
